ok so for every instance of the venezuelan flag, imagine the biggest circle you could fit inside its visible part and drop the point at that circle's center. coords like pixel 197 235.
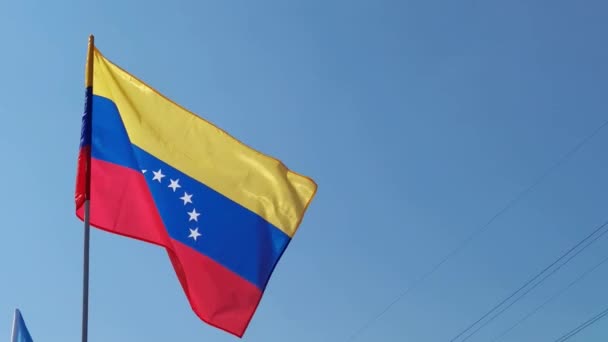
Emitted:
pixel 153 171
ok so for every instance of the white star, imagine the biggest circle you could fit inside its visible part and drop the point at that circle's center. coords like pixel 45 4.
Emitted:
pixel 158 175
pixel 174 184
pixel 186 198
pixel 144 171
pixel 194 233
pixel 193 215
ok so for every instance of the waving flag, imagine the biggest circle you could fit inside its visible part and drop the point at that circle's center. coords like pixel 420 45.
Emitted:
pixel 20 332
pixel 158 173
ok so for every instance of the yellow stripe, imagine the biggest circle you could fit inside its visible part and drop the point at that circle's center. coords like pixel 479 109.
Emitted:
pixel 203 151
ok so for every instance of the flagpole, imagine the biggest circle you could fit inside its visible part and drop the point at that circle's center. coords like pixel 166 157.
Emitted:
pixel 13 336
pixel 87 205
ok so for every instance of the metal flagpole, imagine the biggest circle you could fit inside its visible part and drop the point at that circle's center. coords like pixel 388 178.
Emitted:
pixel 13 329
pixel 87 206
pixel 85 278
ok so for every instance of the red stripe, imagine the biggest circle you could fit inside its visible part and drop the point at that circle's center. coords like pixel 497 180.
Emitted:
pixel 80 194
pixel 122 204
pixel 217 295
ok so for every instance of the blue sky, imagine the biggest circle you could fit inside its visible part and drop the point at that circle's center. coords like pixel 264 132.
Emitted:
pixel 419 120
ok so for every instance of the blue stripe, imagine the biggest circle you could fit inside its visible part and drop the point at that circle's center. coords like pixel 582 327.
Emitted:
pixel 110 140
pixel 85 128
pixel 233 236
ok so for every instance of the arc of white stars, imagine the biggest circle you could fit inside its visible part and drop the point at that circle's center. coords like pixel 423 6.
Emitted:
pixel 174 184
pixel 194 233
pixel 186 198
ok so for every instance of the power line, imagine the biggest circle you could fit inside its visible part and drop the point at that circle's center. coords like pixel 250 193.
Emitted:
pixel 552 298
pixel 537 283
pixel 598 229
pixel 583 326
pixel 482 228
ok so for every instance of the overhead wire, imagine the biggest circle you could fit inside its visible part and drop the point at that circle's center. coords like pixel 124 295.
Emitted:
pixel 541 280
pixel 521 195
pixel 564 255
pixel 583 326
pixel 551 299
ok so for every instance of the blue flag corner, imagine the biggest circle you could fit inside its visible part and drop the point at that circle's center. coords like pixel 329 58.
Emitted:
pixel 20 332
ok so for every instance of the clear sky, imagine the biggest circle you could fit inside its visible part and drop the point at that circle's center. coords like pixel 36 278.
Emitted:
pixel 419 120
